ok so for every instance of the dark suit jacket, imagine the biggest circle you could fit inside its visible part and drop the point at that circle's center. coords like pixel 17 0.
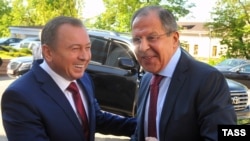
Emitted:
pixel 35 109
pixel 198 100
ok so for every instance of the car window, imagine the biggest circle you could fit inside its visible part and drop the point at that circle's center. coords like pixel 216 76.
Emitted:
pixel 116 51
pixel 3 40
pixel 230 62
pixel 245 69
pixel 11 41
pixel 98 49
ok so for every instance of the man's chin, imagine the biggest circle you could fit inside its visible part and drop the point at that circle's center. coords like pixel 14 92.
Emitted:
pixel 77 75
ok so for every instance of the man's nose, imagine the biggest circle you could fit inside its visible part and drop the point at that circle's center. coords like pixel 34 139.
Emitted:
pixel 84 55
pixel 144 45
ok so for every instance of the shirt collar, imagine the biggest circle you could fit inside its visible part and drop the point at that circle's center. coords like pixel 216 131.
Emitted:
pixel 59 80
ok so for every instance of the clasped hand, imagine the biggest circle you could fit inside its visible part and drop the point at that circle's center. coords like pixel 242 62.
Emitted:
pixel 151 139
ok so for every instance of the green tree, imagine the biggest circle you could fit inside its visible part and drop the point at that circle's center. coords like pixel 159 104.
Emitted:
pixel 119 12
pixel 35 12
pixel 38 12
pixel 231 23
pixel 5 10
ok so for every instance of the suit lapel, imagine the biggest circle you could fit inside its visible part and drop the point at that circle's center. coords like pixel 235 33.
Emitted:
pixel 173 91
pixel 51 89
pixel 144 93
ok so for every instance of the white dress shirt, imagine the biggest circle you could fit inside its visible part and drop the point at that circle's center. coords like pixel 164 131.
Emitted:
pixel 63 85
pixel 167 72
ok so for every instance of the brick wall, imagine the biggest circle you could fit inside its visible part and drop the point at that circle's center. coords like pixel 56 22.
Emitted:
pixel 3 67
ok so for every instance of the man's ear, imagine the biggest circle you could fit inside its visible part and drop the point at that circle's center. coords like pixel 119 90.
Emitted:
pixel 176 39
pixel 47 52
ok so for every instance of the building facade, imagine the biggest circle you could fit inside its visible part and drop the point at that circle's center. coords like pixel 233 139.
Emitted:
pixel 199 42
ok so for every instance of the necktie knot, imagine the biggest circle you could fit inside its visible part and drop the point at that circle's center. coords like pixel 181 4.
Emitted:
pixel 156 80
pixel 73 88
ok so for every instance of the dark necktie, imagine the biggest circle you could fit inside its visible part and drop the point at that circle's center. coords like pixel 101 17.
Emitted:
pixel 80 108
pixel 154 90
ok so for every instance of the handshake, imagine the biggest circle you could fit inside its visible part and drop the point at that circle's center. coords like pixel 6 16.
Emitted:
pixel 151 139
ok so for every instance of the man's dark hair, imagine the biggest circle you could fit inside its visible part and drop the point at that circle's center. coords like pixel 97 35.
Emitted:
pixel 49 32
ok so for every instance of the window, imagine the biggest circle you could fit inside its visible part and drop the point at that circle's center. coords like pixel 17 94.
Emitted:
pixel 98 49
pixel 245 69
pixel 116 51
pixel 195 49
pixel 102 53
pixel 186 47
pixel 214 53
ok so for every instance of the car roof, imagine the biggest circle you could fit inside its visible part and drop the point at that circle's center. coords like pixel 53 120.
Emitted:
pixel 239 66
pixel 6 38
pixel 31 39
pixel 112 35
pixel 233 62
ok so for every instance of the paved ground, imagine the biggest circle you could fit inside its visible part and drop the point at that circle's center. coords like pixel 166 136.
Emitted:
pixel 5 81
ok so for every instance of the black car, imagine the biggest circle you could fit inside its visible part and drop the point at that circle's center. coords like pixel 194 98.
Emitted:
pixel 239 73
pixel 8 40
pixel 116 75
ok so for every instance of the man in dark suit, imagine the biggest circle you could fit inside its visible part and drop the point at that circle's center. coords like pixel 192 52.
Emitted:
pixel 40 107
pixel 193 97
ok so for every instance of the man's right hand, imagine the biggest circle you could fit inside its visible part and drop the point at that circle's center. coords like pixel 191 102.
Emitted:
pixel 151 139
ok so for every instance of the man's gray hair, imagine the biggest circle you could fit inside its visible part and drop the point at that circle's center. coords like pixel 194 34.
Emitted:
pixel 166 17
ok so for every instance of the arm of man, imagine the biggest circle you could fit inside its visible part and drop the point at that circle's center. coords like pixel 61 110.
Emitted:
pixel 108 123
pixel 19 118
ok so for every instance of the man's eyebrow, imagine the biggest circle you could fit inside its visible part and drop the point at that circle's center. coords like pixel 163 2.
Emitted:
pixel 88 44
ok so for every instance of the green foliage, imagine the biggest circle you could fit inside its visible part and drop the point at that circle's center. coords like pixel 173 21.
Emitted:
pixel 38 12
pixel 12 52
pixel 243 121
pixel 116 17
pixel 33 12
pixel 119 12
pixel 5 10
pixel 25 51
pixel 231 23
pixel 215 61
pixel 8 48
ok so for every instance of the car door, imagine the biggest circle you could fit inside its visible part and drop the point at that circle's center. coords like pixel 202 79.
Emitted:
pixel 115 87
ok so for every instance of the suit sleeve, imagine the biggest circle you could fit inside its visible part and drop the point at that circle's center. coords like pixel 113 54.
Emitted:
pixel 18 115
pixel 215 106
pixel 108 123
